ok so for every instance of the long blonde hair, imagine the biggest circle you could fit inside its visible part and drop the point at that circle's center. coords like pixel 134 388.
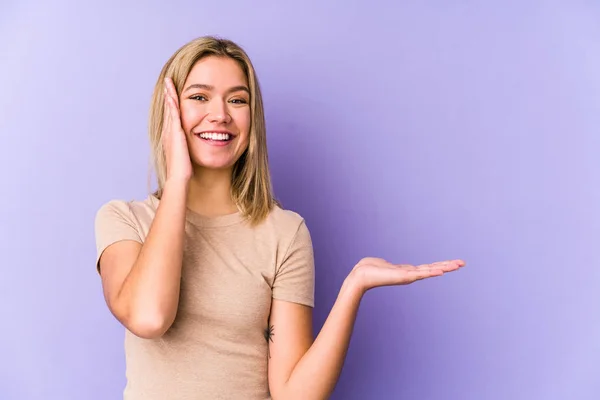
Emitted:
pixel 251 180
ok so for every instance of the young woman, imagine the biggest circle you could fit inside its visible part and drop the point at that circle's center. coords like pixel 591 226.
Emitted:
pixel 212 279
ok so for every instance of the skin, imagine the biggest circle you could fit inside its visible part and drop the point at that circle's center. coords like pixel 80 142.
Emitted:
pixel 141 282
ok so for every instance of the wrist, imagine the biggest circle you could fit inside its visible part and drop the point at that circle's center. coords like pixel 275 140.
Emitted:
pixel 353 284
pixel 177 184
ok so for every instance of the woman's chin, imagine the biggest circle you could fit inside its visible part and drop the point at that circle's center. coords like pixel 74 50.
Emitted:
pixel 214 165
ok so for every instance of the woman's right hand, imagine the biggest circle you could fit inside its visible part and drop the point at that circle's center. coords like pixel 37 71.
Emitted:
pixel 179 165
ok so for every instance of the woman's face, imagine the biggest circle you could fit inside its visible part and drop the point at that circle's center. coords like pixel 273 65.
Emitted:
pixel 215 112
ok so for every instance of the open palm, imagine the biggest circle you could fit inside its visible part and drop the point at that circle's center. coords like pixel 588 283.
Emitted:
pixel 373 272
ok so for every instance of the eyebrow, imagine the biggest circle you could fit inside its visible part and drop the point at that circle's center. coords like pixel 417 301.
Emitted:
pixel 209 87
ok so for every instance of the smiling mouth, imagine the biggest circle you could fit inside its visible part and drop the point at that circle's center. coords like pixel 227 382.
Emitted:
pixel 216 136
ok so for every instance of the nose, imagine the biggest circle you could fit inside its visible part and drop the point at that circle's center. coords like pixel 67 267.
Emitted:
pixel 218 113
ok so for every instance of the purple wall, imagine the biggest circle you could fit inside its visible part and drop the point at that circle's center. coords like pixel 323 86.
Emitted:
pixel 414 132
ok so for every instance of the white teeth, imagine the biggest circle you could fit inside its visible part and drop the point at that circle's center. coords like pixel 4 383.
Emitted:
pixel 215 136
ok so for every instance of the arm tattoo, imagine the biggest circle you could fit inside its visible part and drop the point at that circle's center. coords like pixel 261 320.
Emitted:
pixel 269 336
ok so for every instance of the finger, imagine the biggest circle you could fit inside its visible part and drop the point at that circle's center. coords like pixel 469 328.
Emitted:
pixel 168 97
pixel 459 263
pixel 168 119
pixel 443 265
pixel 173 111
pixel 411 268
pixel 426 273
pixel 453 265
pixel 165 107
pixel 175 119
pixel 172 92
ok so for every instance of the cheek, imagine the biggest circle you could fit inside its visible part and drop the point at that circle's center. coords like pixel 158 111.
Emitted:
pixel 243 120
pixel 189 116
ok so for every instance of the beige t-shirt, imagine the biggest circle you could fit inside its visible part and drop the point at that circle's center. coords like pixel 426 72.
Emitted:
pixel 216 348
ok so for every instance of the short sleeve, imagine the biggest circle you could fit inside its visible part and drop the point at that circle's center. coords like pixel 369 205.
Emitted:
pixel 295 277
pixel 114 222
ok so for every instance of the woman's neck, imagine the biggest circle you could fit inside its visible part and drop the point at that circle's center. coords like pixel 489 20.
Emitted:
pixel 209 193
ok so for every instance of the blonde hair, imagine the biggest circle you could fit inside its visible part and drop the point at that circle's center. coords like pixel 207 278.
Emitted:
pixel 251 186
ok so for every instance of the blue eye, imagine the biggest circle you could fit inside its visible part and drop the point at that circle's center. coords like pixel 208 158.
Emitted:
pixel 198 97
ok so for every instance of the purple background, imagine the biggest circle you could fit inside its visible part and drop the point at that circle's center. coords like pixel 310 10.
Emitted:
pixel 416 132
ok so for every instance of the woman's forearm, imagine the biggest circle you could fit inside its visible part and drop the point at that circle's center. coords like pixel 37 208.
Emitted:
pixel 150 292
pixel 316 374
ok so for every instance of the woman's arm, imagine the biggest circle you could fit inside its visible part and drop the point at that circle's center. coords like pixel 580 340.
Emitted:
pixel 301 370
pixel 141 282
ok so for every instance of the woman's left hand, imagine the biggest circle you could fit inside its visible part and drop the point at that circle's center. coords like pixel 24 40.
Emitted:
pixel 373 272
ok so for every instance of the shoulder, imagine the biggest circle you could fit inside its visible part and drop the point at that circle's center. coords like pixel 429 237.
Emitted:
pixel 128 211
pixel 290 227
pixel 117 220
pixel 295 271
pixel 113 206
pixel 285 218
pixel 287 222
